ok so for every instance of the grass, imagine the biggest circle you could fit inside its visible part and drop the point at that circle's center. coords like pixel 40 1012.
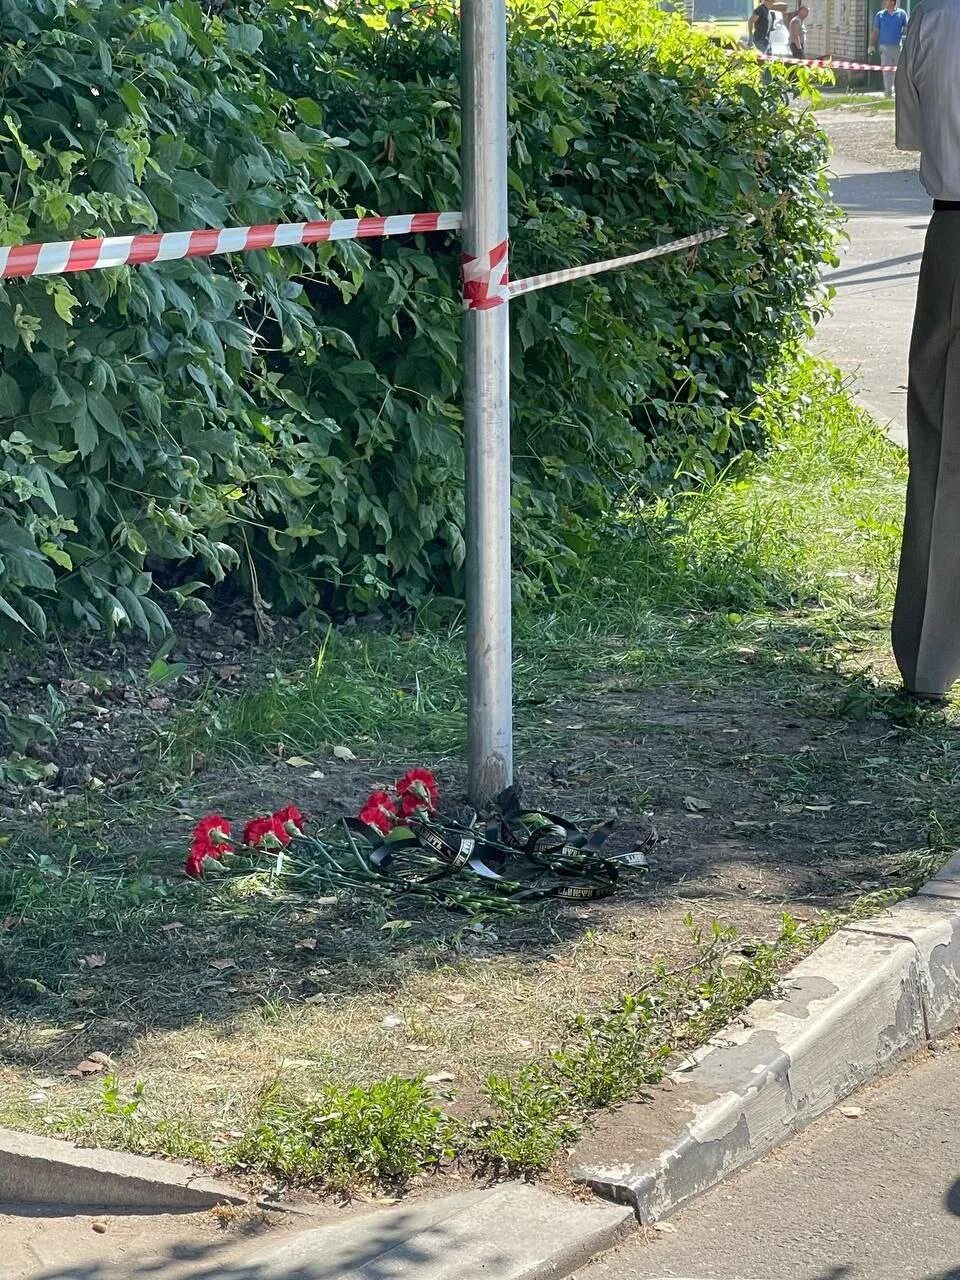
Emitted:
pixel 722 664
pixel 389 1132
pixel 865 101
pixel 806 541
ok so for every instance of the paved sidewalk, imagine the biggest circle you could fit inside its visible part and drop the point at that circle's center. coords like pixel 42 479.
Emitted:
pixel 868 334
pixel 870 1197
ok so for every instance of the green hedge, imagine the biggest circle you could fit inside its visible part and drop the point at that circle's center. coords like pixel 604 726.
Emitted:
pixel 290 420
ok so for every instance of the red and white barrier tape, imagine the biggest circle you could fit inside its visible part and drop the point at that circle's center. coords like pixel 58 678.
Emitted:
pixel 62 256
pixel 532 283
pixel 486 279
pixel 831 64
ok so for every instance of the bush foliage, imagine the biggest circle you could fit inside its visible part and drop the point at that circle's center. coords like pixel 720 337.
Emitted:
pixel 290 420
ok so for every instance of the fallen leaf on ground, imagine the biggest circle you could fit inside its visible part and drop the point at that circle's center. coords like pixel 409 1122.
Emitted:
pixel 317 998
pixel 392 1020
pixel 222 964
pixel 87 1068
pixel 343 753
pixel 94 962
pixel 103 1058
pixel 48 1082
pixel 172 927
pixel 454 997
pixel 852 1113
pixel 38 1097
pixel 318 773
pixel 419 1048
pixel 665 1228
pixel 441 1077
pixel 299 762
pixel 694 805
pixel 307 944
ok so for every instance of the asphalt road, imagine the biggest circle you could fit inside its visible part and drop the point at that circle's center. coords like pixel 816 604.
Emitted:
pixel 868 334
pixel 870 1197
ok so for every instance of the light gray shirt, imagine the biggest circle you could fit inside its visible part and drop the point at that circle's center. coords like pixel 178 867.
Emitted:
pixel 928 95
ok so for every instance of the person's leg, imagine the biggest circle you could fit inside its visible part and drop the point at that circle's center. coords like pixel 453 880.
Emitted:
pixel 889 57
pixel 926 619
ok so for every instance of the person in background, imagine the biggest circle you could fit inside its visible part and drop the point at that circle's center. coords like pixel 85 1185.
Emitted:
pixel 888 28
pixel 760 26
pixel 926 616
pixel 797 32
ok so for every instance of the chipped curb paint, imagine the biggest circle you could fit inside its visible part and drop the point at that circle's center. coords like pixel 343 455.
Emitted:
pixel 869 997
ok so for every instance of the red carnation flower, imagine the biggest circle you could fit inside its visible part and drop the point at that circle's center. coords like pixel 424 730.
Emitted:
pixel 380 812
pixel 291 817
pixel 256 830
pixel 418 792
pixel 214 829
pixel 200 849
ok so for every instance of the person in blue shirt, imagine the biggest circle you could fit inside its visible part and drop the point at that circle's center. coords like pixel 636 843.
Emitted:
pixel 888 28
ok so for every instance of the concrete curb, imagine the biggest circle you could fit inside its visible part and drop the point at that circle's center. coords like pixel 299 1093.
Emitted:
pixel 506 1232
pixel 512 1232
pixel 872 995
pixel 45 1171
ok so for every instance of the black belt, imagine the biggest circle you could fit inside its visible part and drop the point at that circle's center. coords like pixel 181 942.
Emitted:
pixel 946 206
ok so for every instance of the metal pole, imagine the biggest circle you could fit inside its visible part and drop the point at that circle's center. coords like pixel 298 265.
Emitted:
pixel 483 86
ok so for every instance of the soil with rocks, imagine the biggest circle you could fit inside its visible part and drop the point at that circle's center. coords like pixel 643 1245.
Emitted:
pixel 866 136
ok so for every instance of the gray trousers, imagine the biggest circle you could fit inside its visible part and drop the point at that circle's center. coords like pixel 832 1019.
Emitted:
pixel 926 618
pixel 889 57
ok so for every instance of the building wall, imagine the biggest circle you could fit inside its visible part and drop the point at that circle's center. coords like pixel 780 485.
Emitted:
pixel 841 28
pixel 838 29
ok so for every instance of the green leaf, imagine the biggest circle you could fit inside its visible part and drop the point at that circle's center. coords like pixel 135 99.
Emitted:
pixel 7 609
pixel 56 554
pixel 309 112
pixel 104 413
pixel 64 301
pixel 134 609
pixel 85 433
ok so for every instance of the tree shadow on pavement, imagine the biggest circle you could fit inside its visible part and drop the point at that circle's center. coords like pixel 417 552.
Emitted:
pixel 403 1242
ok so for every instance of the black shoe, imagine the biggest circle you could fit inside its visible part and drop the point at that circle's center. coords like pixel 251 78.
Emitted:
pixel 934 699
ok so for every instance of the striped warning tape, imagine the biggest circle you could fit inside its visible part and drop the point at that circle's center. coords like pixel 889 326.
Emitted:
pixel 485 278
pixel 549 278
pixel 62 256
pixel 831 64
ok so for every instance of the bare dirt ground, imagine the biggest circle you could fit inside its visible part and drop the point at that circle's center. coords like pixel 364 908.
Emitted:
pixel 866 136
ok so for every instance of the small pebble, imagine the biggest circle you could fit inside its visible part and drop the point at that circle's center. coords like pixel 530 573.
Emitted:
pixel 99 1227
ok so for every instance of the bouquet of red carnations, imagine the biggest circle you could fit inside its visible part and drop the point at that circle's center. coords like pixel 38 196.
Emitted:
pixel 398 844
